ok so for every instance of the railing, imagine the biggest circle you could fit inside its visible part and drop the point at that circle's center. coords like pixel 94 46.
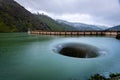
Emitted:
pixel 104 33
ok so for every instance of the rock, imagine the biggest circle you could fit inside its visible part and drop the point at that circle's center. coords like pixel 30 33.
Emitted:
pixel 118 36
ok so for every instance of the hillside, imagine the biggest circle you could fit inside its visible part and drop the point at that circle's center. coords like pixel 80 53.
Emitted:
pixel 15 18
pixel 115 28
pixel 82 26
pixel 54 25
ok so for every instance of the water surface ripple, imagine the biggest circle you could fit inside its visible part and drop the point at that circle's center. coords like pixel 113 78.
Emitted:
pixel 31 57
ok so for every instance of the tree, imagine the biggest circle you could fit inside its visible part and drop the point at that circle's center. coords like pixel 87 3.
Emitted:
pixel 4 28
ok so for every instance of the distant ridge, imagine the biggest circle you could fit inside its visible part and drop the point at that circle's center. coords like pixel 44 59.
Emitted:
pixel 53 24
pixel 82 26
pixel 115 28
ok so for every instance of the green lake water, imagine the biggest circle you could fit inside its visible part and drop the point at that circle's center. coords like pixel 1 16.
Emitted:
pixel 31 57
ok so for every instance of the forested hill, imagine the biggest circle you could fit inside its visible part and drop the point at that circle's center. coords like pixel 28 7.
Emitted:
pixel 53 24
pixel 15 18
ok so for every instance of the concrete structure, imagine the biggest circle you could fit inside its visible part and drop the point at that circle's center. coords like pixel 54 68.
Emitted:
pixel 101 33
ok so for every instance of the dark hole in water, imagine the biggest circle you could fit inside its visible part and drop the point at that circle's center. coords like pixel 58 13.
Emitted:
pixel 78 50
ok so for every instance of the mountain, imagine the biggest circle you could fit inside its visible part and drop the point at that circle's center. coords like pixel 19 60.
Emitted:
pixel 15 18
pixel 102 27
pixel 81 26
pixel 115 28
pixel 54 25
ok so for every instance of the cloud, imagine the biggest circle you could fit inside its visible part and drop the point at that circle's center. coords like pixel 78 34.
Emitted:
pixel 87 11
pixel 81 18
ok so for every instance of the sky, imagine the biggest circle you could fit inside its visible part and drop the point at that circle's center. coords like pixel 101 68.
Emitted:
pixel 97 12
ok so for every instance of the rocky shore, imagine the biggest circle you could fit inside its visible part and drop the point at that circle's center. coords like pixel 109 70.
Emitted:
pixel 118 36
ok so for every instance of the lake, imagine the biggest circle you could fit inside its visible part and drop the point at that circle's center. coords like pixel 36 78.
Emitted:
pixel 33 57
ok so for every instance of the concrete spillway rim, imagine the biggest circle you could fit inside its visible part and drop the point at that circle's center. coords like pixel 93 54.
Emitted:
pixel 89 51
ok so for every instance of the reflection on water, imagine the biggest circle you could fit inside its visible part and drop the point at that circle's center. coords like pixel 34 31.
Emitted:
pixel 30 57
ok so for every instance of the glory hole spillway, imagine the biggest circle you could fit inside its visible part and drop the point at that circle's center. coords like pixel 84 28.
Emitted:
pixel 78 50
pixel 39 57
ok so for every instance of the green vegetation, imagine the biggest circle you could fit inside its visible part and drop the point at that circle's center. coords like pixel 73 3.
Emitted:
pixel 53 25
pixel 4 28
pixel 100 77
pixel 15 18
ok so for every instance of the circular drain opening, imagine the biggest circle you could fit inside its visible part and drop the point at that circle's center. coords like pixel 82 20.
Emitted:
pixel 78 50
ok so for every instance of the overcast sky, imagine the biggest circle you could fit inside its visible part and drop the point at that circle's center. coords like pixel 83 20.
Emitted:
pixel 99 12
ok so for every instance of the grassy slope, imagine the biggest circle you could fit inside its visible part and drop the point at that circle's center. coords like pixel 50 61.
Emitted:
pixel 53 25
pixel 15 18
